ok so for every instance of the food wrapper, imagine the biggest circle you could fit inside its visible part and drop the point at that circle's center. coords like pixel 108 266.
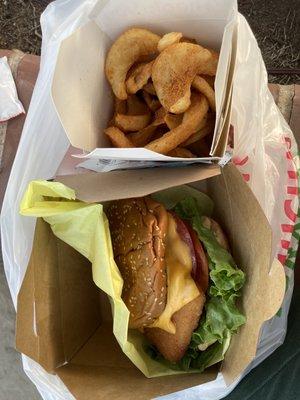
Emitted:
pixel 10 105
pixel 85 227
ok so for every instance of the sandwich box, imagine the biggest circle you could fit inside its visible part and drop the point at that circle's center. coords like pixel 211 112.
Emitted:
pixel 64 321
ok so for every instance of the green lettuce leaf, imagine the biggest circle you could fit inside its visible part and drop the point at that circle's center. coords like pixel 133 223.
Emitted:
pixel 200 360
pixel 221 318
pixel 170 197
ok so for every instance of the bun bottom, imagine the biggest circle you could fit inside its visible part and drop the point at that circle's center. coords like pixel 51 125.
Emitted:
pixel 173 346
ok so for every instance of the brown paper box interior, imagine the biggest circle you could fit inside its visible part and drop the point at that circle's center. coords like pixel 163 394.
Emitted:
pixel 82 96
pixel 60 319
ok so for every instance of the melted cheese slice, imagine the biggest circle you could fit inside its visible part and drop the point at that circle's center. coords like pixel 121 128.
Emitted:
pixel 181 286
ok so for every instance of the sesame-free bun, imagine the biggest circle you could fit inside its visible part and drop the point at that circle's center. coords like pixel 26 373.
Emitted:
pixel 138 231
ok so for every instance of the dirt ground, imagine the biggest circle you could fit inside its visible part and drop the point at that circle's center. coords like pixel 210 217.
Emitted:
pixel 276 25
pixel 20 24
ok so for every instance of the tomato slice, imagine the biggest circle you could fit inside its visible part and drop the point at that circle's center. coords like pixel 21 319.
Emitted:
pixel 185 236
pixel 201 272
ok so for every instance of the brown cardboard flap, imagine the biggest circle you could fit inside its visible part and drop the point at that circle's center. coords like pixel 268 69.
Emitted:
pixel 250 237
pixel 26 338
pixel 133 183
pixel 101 371
pixel 79 88
pixel 58 308
pixel 275 289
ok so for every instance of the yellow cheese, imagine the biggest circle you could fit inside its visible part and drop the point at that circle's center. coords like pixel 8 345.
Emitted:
pixel 181 286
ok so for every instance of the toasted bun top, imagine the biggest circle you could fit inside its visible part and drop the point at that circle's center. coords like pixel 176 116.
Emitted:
pixel 138 230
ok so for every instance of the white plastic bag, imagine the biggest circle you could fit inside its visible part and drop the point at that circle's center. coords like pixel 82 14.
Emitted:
pixel 265 152
pixel 10 105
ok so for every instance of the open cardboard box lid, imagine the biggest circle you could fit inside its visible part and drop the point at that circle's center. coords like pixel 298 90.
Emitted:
pixel 82 96
pixel 62 324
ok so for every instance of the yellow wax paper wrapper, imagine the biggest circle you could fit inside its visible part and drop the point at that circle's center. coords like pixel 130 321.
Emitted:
pixel 85 227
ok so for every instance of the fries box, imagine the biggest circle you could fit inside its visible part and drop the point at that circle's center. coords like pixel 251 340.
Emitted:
pixel 64 320
pixel 83 98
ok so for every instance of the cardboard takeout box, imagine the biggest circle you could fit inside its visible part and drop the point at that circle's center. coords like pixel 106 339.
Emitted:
pixel 82 96
pixel 64 320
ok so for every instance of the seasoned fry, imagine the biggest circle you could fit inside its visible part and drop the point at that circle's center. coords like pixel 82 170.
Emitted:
pixel 203 87
pixel 149 88
pixel 136 106
pixel 210 67
pixel 200 148
pixel 164 93
pixel 130 114
pixel 160 131
pixel 138 77
pixel 201 133
pixel 173 72
pixel 197 111
pixel 191 119
pixel 168 39
pixel 209 79
pixel 132 123
pixel 173 120
pixel 117 137
pixel 151 102
pixel 141 138
pixel 159 118
pixel 181 152
pixel 188 40
pixel 126 50
pixel 120 106
pixel 202 123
